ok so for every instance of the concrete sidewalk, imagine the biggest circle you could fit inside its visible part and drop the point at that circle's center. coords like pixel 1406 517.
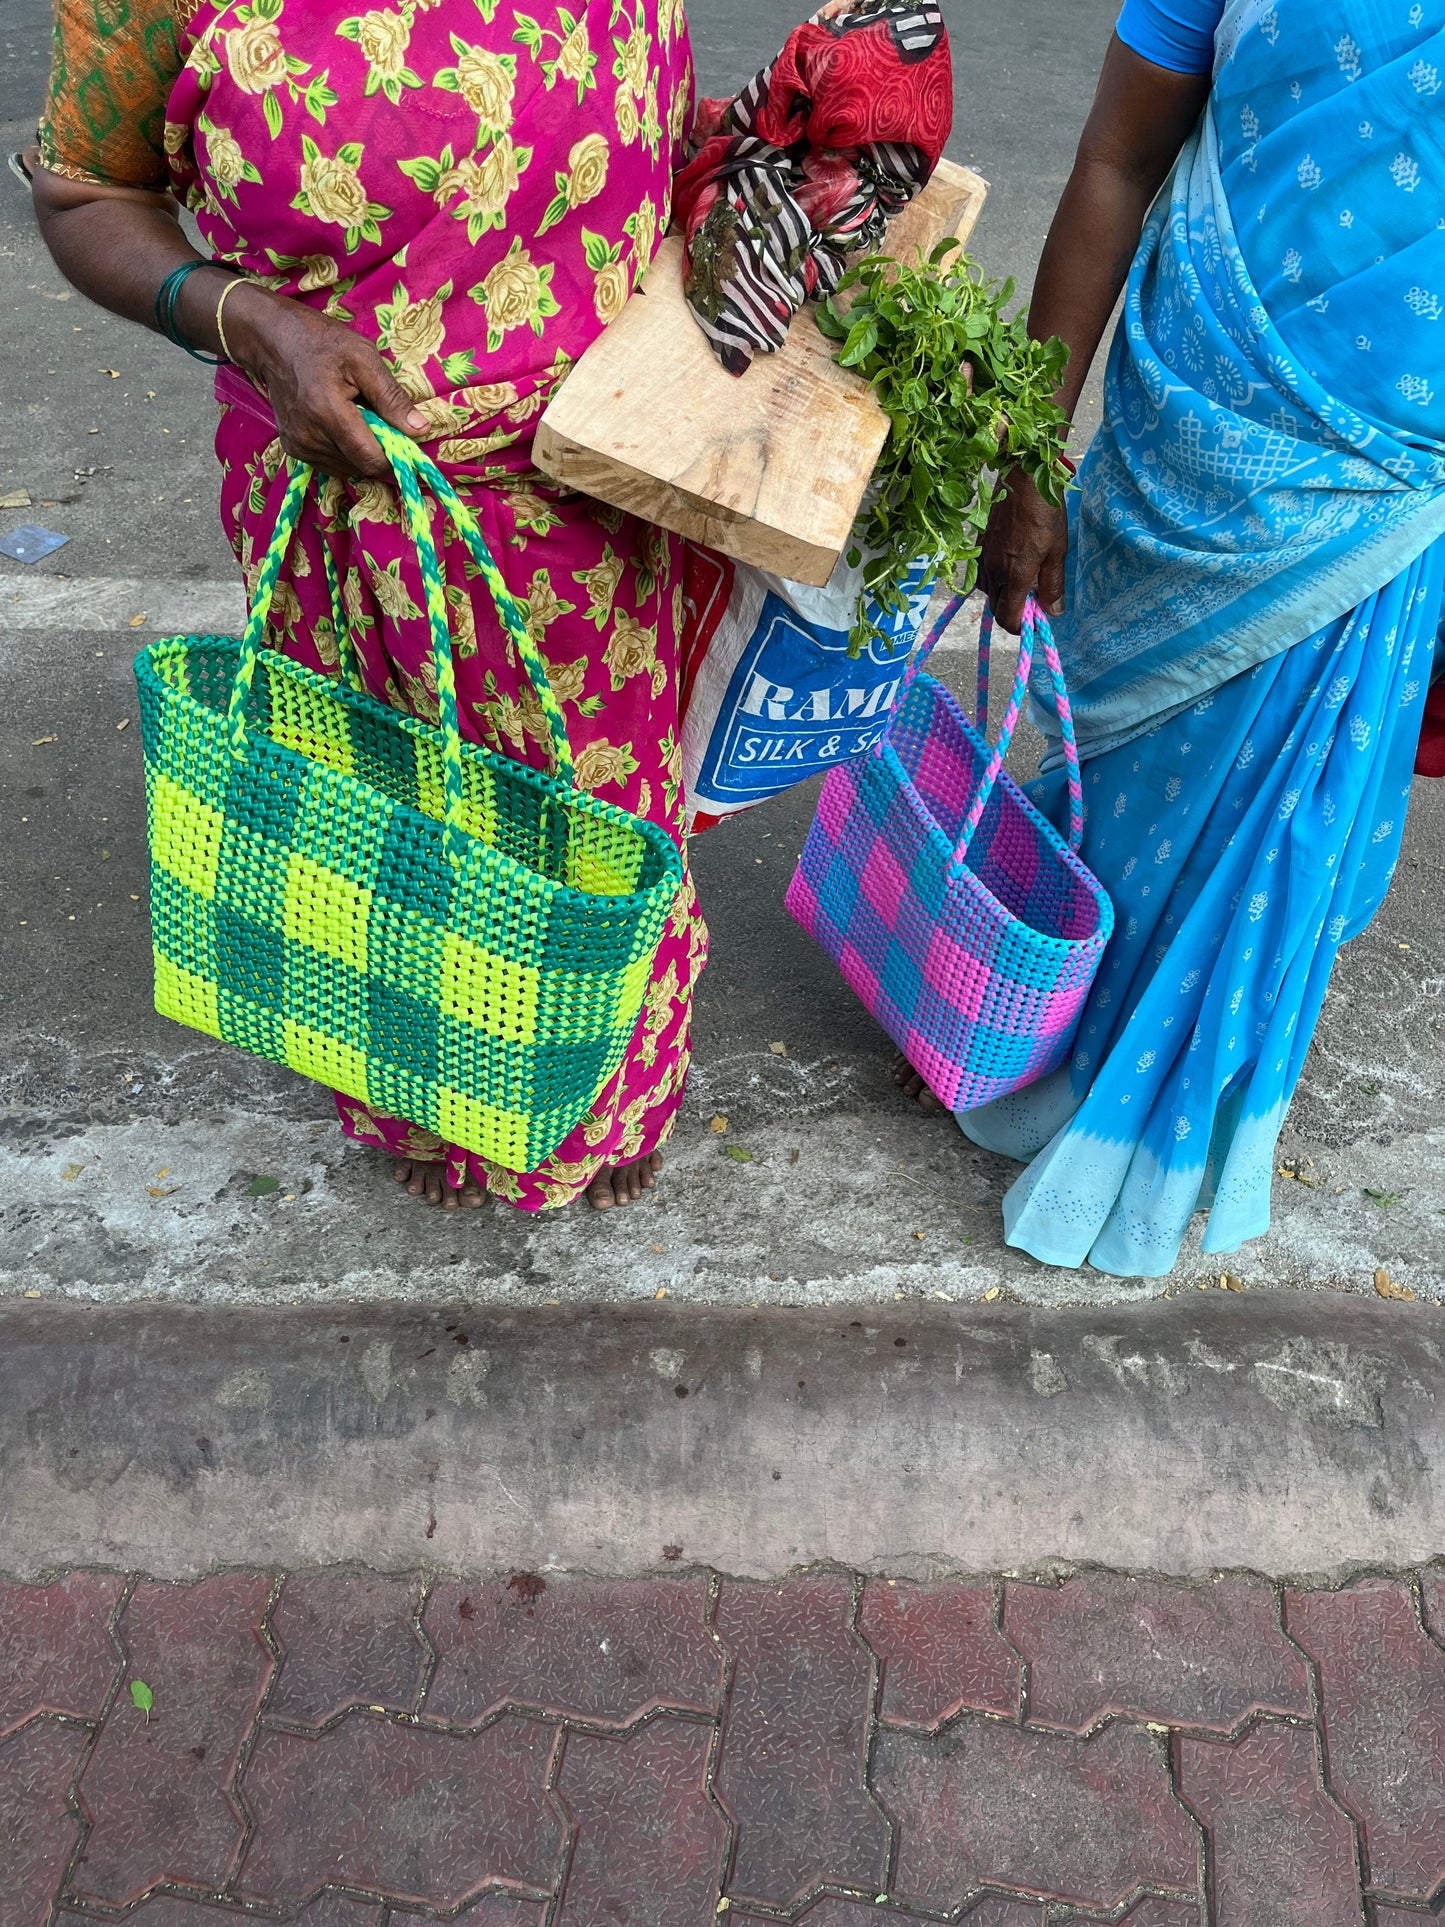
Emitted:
pixel 132 1144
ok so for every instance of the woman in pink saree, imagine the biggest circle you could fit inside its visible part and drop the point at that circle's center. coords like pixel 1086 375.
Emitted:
pixel 432 208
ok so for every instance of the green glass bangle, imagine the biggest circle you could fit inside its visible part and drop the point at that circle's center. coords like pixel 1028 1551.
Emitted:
pixel 167 295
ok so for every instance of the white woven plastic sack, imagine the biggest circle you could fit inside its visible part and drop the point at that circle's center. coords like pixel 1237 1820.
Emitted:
pixel 769 695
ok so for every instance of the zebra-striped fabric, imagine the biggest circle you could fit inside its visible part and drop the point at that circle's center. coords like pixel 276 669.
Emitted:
pixel 805 166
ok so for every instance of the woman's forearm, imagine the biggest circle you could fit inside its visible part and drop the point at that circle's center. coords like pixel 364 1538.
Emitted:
pixel 1084 265
pixel 1140 119
pixel 117 245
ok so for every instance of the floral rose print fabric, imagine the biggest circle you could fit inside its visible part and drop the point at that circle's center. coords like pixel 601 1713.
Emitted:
pixel 477 189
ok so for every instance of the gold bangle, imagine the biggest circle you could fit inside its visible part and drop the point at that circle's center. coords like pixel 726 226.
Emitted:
pixel 226 293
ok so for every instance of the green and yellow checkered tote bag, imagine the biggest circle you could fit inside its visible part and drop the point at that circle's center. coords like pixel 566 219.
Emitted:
pixel 423 924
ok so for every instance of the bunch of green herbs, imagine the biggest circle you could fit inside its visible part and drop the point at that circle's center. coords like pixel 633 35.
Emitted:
pixel 969 396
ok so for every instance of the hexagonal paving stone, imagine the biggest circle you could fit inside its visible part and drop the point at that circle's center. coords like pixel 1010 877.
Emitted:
pixel 157 1789
pixel 1083 1821
pixel 1199 1656
pixel 1382 1703
pixel 1282 1853
pixel 940 1652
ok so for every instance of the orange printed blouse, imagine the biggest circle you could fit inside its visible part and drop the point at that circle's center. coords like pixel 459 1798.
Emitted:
pixel 114 64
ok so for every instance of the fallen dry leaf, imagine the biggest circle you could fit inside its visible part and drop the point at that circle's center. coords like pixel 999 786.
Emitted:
pixel 661 1292
pixel 778 1050
pixel 71 1173
pixel 36 741
pixel 1386 1287
pixel 124 723
pixel 163 1191
pixel 164 1172
pixel 1297 1173
pixel 1228 1282
pixel 991 1294
pixel 137 622
pixel 32 1293
pixel 18 498
pixel 719 1125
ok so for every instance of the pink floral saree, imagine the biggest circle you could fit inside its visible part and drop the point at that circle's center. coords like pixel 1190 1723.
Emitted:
pixel 476 189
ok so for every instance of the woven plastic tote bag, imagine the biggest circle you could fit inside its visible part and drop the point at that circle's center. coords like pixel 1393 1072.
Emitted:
pixel 422 924
pixel 959 915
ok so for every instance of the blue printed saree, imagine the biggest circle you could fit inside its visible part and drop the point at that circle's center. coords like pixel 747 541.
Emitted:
pixel 1256 573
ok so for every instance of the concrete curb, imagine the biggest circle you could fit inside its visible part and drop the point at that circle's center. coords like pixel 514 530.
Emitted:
pixel 1284 1433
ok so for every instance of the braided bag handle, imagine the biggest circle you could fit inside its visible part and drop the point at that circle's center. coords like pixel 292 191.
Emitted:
pixel 1035 630
pixel 411 468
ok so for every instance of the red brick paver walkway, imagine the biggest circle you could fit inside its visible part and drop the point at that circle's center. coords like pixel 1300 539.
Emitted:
pixel 351 1750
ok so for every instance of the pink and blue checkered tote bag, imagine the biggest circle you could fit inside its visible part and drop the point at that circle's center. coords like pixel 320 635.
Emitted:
pixel 960 916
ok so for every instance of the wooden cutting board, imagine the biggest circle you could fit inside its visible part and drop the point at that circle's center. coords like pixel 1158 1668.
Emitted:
pixel 769 466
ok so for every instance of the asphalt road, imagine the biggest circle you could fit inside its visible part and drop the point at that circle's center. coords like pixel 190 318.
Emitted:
pixel 109 430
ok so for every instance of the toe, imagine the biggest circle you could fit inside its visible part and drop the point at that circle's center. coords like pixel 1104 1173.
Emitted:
pixel 599 1192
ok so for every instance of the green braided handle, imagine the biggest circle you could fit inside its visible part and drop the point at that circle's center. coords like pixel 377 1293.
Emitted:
pixel 411 468
pixel 287 520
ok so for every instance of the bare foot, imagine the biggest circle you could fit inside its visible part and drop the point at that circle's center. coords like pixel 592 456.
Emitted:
pixel 623 1183
pixel 429 1181
pixel 912 1085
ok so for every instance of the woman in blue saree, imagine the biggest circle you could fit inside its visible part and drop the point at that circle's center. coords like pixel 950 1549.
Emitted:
pixel 1248 587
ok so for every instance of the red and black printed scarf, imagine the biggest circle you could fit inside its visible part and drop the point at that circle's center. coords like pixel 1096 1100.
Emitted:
pixel 805 167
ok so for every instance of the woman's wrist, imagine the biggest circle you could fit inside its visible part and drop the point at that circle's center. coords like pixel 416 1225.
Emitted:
pixel 250 312
pixel 245 313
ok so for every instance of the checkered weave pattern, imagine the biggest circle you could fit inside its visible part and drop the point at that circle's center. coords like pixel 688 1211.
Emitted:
pixel 966 924
pixel 418 922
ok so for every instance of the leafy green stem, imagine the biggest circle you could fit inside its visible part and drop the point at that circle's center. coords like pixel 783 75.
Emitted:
pixel 969 396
